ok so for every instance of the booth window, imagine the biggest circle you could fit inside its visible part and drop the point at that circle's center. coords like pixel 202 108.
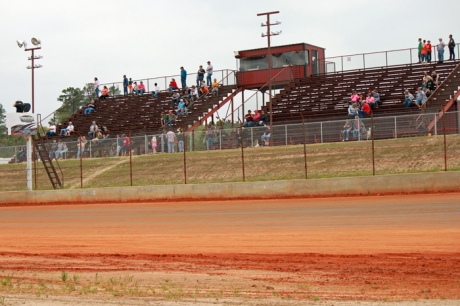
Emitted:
pixel 296 58
pixel 254 63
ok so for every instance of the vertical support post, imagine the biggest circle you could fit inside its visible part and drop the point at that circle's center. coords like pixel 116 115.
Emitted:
pixel 396 128
pixel 15 155
pixel 364 62
pixel 304 146
pixel 285 135
pixel 242 153
pixel 29 161
pixel 257 100
pixel 386 58
pixel 322 132
pixel 242 105
pixel 252 137
pixel 233 115
pixel 263 99
pixel 444 131
pixel 185 154
pixel 33 84
pixel 80 153
pixel 34 156
pixel 410 54
pixel 90 148
pixel 373 148
pixel 341 58
pixel 130 158
pixel 220 139
pixel 146 146
pixel 435 125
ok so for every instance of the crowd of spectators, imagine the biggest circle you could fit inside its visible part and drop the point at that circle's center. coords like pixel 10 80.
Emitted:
pixel 361 106
pixel 425 49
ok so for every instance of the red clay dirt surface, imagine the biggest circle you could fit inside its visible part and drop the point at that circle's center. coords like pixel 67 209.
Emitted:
pixel 402 250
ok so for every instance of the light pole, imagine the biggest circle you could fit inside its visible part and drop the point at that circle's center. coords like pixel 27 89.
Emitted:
pixel 37 43
pixel 268 35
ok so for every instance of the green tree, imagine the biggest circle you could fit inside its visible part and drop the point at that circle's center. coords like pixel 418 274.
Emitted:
pixel 2 121
pixel 72 99
pixel 114 91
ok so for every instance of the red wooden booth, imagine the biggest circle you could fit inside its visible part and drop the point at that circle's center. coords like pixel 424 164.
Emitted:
pixel 288 62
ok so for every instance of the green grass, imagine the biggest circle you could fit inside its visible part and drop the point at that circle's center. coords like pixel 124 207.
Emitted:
pixel 339 159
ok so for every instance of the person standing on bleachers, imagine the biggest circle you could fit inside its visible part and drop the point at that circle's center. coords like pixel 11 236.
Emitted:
pixel 451 45
pixel 440 48
pixel 183 77
pixel 130 85
pixel 200 76
pixel 210 71
pixel 423 52
pixel 96 87
pixel 420 50
pixel 125 85
pixel 428 51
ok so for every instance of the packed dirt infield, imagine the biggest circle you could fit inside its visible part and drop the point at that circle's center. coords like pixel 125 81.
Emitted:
pixel 403 250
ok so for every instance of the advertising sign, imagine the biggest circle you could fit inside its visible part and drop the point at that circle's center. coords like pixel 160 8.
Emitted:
pixel 21 124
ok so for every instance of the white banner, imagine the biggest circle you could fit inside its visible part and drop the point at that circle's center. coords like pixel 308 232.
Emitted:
pixel 21 124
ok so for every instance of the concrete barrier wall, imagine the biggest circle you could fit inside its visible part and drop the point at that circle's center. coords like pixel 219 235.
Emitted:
pixel 344 186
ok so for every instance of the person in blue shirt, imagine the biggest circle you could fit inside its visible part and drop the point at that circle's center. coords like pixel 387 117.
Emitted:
pixel 376 96
pixel 125 85
pixel 183 77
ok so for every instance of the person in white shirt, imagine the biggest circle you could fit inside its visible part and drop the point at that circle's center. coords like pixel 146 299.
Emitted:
pixel 210 71
pixel 52 130
pixel 171 137
pixel 156 91
pixel 96 87
pixel 69 129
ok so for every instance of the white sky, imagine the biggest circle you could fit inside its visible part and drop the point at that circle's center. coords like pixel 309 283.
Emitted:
pixel 140 38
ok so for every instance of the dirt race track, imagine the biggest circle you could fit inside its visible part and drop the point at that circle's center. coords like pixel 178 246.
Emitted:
pixel 401 250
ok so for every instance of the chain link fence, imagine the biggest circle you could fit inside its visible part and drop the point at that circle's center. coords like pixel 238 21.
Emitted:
pixel 350 147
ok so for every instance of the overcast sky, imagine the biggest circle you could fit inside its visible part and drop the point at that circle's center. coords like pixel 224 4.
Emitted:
pixel 83 39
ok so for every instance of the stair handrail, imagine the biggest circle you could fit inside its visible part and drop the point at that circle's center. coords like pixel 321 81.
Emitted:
pixel 287 67
pixel 443 84
pixel 38 134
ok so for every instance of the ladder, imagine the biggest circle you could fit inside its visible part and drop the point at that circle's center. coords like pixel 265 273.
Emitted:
pixel 41 148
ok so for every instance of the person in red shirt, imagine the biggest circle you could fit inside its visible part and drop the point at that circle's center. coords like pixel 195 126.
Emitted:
pixel 365 110
pixel 141 88
pixel 173 85
pixel 256 117
pixel 428 48
pixel 104 93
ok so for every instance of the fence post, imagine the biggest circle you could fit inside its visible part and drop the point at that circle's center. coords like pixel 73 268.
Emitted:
pixel 146 146
pixel 185 153
pixel 304 146
pixel 90 154
pixel 252 137
pixel 80 153
pixel 130 158
pixel 373 148
pixel 322 131
pixel 435 125
pixel 15 155
pixel 285 134
pixel 396 128
pixel 242 153
pixel 444 131
pixel 220 139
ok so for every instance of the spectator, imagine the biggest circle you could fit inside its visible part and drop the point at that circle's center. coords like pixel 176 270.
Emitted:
pixel 347 129
pixel 376 96
pixel 171 118
pixel 89 108
pixel 428 51
pixel 175 99
pixel 125 85
pixel 451 45
pixel 256 118
pixel 408 99
pixel 19 106
pixel 200 76
pixel 93 129
pixel 181 108
pixel 210 129
pixel 135 89
pixel 125 145
pixel 365 110
pixel 156 91
pixel 141 88
pixel 353 110
pixel 154 144
pixel 426 78
pixel 263 118
pixel 52 130
pixel 248 119
pixel 423 52
pixel 105 93
pixel 354 97
pixel 204 89
pixel 171 137
pixel 81 143
pixel 61 150
pixel 210 71
pixel 421 98
pixel 429 84
pixel 215 88
pixel 370 100
pixel 68 130
pixel 266 137
pixel 53 149
pixel 119 144
pixel 96 87
pixel 130 86
pixel 440 48
pixel 435 78
pixel 173 85
pixel 195 93
pixel 183 77
pixel 420 50
pixel 358 128
pixel 163 119
pixel 180 140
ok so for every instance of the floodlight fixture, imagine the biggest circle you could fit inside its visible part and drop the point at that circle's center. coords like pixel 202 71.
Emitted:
pixel 21 43
pixel 36 41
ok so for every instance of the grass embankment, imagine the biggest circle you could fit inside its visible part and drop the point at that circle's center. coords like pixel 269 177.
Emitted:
pixel 404 155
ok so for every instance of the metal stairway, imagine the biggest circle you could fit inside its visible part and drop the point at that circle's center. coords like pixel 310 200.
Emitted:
pixel 41 149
